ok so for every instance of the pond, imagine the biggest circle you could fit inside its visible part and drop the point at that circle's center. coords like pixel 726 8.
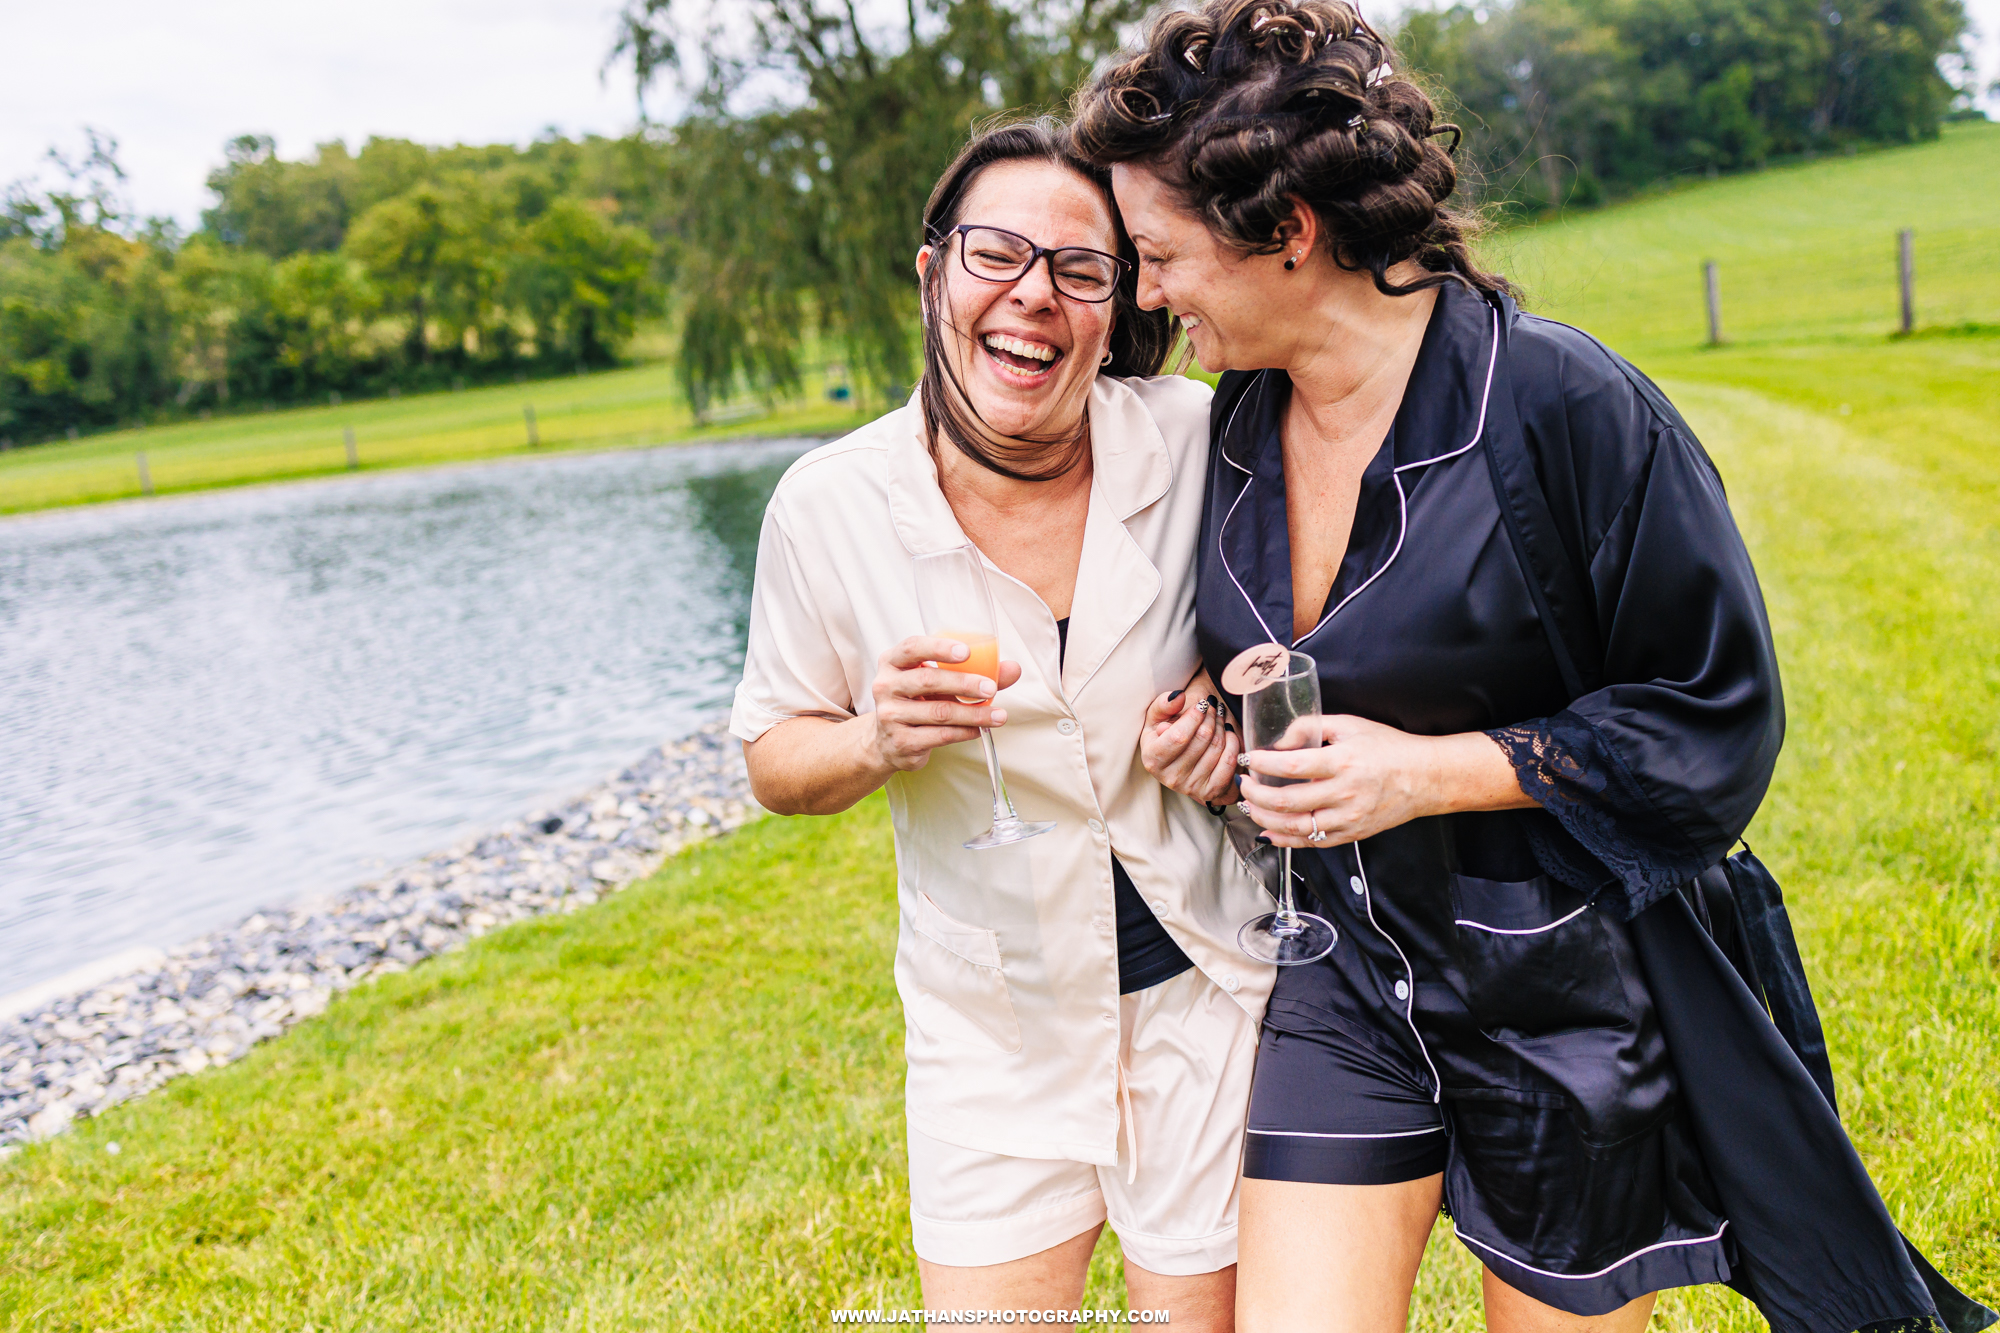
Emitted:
pixel 222 701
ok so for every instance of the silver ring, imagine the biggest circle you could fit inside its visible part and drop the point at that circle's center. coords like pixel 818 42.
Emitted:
pixel 1315 835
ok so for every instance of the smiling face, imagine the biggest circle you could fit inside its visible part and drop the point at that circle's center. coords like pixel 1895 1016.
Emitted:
pixel 1225 300
pixel 1025 353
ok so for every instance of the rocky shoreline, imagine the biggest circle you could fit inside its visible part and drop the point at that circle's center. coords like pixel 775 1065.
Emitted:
pixel 213 999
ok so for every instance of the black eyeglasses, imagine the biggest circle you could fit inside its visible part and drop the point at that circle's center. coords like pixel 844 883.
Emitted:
pixel 993 255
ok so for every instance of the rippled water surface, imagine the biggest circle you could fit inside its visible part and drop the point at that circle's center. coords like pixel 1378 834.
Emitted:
pixel 216 702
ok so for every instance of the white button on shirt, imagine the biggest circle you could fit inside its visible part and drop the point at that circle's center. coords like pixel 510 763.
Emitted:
pixel 1001 956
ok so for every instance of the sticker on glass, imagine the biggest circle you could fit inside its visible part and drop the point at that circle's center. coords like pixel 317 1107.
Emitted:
pixel 1254 668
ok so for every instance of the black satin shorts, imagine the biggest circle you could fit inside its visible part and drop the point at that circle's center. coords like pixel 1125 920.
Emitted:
pixel 1330 1106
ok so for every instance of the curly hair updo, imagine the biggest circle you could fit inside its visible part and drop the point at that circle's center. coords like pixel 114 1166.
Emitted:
pixel 1245 106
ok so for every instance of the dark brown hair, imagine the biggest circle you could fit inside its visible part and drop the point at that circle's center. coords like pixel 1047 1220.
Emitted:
pixel 1246 106
pixel 1139 338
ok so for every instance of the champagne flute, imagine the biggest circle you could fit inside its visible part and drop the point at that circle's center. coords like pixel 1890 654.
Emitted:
pixel 955 603
pixel 1282 715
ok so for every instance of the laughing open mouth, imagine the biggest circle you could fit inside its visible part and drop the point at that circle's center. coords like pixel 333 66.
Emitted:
pixel 1020 357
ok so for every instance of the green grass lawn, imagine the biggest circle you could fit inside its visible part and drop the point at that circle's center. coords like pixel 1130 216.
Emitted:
pixel 608 410
pixel 682 1110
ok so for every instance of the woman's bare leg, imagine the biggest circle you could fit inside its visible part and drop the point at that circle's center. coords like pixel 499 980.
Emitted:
pixel 1331 1258
pixel 1510 1311
pixel 1051 1280
pixel 1204 1303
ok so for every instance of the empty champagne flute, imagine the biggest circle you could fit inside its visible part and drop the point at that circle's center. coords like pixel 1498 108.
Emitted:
pixel 1282 715
pixel 955 603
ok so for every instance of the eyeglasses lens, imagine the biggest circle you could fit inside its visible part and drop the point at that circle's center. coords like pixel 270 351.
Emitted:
pixel 1001 256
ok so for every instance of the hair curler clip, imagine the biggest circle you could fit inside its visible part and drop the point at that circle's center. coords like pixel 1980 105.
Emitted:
pixel 1358 124
pixel 1380 73
pixel 1158 113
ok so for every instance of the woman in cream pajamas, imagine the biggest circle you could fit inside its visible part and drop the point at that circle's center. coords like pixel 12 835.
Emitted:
pixel 1080 1025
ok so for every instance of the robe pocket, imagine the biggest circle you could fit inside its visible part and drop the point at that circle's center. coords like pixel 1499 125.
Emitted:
pixel 961 985
pixel 1534 959
pixel 1523 1180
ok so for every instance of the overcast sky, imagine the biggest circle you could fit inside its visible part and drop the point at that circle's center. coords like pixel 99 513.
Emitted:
pixel 173 82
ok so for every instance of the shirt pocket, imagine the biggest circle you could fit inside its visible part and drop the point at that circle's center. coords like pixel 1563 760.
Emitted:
pixel 1534 959
pixel 961 984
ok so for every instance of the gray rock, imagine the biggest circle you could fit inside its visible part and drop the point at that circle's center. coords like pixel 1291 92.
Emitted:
pixel 50 1121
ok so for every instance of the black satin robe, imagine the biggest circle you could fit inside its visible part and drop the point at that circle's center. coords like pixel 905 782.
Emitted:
pixel 1622 1117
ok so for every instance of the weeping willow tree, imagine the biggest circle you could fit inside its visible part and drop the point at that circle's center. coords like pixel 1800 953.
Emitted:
pixel 792 201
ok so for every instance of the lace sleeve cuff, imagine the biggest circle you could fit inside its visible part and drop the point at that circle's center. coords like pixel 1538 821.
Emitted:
pixel 1566 766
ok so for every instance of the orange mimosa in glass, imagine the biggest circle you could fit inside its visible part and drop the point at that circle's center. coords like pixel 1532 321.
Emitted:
pixel 982 656
pixel 952 594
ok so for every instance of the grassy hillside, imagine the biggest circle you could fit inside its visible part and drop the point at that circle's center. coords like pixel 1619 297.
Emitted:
pixel 1806 253
pixel 1807 257
pixel 681 1110
pixel 609 410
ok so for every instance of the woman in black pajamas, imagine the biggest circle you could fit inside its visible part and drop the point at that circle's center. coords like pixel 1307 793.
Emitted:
pixel 1552 707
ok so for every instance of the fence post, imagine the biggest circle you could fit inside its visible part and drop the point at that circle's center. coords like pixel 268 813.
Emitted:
pixel 1906 273
pixel 145 475
pixel 353 455
pixel 1714 285
pixel 534 435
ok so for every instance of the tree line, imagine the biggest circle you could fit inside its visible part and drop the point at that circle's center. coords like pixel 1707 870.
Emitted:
pixel 779 210
pixel 1579 101
pixel 398 266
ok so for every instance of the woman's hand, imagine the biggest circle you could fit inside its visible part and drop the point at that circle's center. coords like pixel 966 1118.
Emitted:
pixel 917 706
pixel 1191 749
pixel 1365 778
pixel 817 766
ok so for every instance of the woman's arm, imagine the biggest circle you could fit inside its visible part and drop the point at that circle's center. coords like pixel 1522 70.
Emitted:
pixel 817 766
pixel 1365 778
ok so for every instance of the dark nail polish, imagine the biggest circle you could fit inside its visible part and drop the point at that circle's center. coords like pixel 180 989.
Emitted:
pixel 1175 695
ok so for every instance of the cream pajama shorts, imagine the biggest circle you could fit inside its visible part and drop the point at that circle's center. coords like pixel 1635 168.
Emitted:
pixel 1186 1050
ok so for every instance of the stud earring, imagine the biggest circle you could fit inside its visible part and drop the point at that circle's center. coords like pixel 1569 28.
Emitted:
pixel 1293 262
